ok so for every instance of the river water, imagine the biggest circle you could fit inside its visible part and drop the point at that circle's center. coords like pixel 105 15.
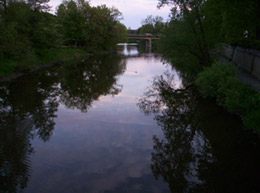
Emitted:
pixel 120 123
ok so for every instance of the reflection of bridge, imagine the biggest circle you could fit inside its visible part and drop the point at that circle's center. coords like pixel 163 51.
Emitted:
pixel 148 37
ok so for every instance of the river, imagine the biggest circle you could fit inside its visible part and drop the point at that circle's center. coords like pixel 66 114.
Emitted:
pixel 121 123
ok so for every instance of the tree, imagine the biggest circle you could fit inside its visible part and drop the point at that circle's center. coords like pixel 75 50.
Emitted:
pixel 24 30
pixel 152 24
pixel 188 17
pixel 72 21
pixel 14 34
pixel 94 28
pixel 39 5
pixel 198 25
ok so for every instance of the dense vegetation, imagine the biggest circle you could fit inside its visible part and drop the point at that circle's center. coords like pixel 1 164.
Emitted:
pixel 196 26
pixel 94 28
pixel 190 39
pixel 21 120
pixel 29 33
pixel 221 81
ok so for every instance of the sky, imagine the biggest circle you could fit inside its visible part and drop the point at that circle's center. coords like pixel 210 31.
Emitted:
pixel 134 11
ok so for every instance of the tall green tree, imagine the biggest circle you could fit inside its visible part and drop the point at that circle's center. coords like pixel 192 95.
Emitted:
pixel 196 26
pixel 188 18
pixel 73 22
pixel 94 28
pixel 25 30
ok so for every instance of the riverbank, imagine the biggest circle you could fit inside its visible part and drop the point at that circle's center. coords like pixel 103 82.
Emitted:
pixel 222 82
pixel 9 69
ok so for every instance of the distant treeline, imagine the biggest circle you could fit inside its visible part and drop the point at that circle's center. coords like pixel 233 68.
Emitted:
pixel 27 29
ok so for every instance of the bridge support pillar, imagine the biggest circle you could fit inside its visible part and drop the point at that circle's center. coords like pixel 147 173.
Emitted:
pixel 149 45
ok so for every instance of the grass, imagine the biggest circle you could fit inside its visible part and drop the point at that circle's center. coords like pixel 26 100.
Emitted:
pixel 7 67
pixel 52 55
pixel 44 56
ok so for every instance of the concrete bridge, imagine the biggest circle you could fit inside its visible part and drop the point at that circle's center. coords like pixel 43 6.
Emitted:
pixel 148 37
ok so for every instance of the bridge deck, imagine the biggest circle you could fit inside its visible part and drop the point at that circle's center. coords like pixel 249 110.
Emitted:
pixel 143 37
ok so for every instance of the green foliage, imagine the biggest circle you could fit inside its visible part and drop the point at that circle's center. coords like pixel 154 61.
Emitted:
pixel 230 18
pixel 185 36
pixel 152 24
pixel 220 81
pixel 121 32
pixel 44 33
pixel 245 43
pixel 211 82
pixel 13 32
pixel 58 54
pixel 7 67
pixel 44 56
pixel 28 33
pixel 197 26
pixel 94 28
pixel 252 120
pixel 239 97
pixel 22 31
pixel 179 45
pixel 239 16
pixel 27 61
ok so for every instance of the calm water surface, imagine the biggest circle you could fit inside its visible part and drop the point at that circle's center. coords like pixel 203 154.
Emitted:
pixel 117 124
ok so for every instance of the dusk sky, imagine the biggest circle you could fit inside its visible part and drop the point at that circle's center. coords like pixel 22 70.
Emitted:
pixel 134 11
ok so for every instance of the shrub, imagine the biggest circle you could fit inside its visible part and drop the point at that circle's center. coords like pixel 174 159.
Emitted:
pixel 220 81
pixel 212 81
pixel 252 120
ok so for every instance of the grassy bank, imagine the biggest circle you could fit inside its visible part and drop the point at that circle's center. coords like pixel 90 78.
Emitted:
pixel 45 56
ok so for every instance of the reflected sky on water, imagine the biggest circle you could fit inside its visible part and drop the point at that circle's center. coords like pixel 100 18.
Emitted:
pixel 120 123
pixel 99 140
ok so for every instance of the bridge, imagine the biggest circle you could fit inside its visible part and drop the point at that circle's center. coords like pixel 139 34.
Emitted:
pixel 147 36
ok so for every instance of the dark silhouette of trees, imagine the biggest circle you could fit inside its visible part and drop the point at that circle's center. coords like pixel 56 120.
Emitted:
pixel 27 111
pixel 203 148
pixel 198 26
pixel 94 28
pixel 83 83
pixel 28 108
pixel 28 32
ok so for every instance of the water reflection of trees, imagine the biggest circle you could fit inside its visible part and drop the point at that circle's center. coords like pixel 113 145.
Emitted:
pixel 83 83
pixel 29 105
pixel 27 110
pixel 203 149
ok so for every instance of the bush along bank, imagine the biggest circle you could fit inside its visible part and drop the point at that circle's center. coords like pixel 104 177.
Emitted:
pixel 220 81
pixel 11 69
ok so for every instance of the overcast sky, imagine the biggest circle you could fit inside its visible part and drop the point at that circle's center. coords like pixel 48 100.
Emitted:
pixel 134 11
